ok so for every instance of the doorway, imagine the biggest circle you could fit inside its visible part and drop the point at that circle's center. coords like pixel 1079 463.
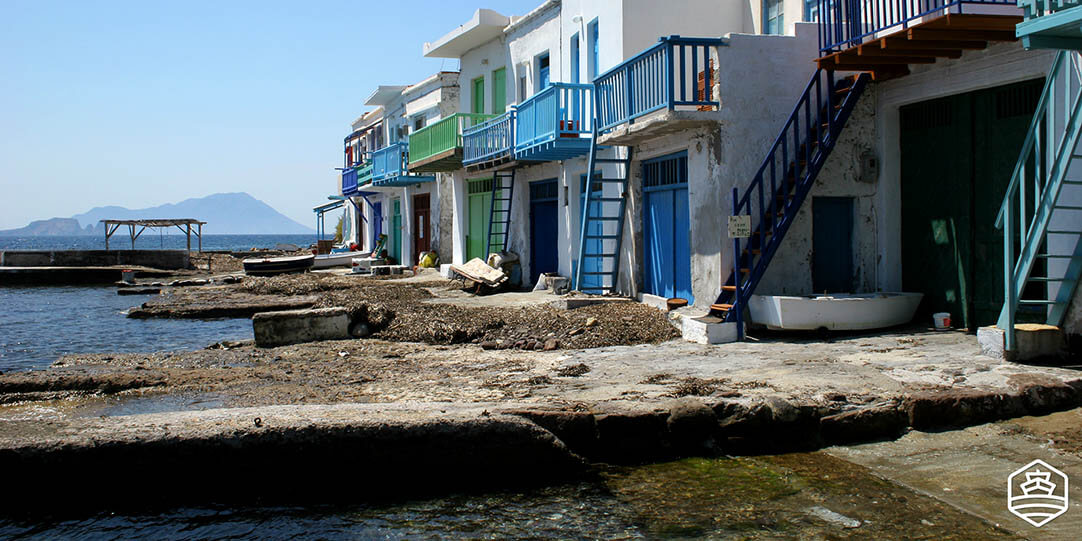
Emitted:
pixel 421 216
pixel 544 225
pixel 667 227
pixel 832 244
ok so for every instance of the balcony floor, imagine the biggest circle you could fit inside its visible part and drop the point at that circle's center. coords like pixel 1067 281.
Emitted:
pixel 560 148
pixel 448 160
pixel 658 124
pixel 1060 30
pixel 944 37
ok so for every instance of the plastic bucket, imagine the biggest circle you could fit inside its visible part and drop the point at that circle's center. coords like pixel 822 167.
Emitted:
pixel 127 276
pixel 942 320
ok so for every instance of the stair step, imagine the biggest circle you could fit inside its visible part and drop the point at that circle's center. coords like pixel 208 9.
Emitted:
pixel 1046 279
pixel 721 307
pixel 1063 232
pixel 1054 256
pixel 1067 207
pixel 605 273
pixel 611 160
pixel 599 255
pixel 607 199
pixel 607 218
pixel 603 237
pixel 1073 182
pixel 1035 301
pixel 730 289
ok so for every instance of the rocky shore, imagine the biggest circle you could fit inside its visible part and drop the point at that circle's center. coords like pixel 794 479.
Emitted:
pixel 444 397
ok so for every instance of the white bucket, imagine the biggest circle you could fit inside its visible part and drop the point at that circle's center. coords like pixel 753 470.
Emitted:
pixel 942 320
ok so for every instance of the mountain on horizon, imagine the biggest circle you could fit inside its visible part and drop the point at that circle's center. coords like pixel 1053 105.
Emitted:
pixel 235 213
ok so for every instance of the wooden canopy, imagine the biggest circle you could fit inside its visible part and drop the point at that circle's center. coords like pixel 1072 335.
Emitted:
pixel 183 224
pixel 944 37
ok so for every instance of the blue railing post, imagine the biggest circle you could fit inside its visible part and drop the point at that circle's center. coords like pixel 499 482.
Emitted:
pixel 1009 294
pixel 670 83
pixel 737 306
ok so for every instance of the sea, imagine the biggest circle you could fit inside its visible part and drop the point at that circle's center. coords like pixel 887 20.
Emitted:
pixel 39 324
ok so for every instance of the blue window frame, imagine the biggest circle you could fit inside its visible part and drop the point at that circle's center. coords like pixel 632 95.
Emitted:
pixel 773 17
pixel 811 11
pixel 542 71
pixel 592 44
pixel 574 58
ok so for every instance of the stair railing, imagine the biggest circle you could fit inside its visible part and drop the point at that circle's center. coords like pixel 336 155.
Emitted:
pixel 1037 179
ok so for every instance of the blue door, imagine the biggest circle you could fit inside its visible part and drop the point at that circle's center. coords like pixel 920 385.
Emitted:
pixel 544 225
pixel 832 244
pixel 667 228
pixel 377 223
pixel 543 72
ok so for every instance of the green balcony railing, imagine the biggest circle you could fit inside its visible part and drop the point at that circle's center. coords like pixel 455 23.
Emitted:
pixel 442 136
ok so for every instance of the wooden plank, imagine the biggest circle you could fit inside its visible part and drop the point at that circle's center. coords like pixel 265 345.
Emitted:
pixel 903 43
pixel 963 21
pixel 843 61
pixel 948 34
pixel 865 51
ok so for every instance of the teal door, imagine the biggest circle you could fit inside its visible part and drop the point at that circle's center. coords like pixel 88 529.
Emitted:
pixel 832 245
pixel 396 232
pixel 480 204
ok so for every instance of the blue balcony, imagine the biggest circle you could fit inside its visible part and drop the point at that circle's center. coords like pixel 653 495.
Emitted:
pixel 555 123
pixel 886 36
pixel 677 72
pixel 389 167
pixel 490 142
pixel 349 181
pixel 1051 24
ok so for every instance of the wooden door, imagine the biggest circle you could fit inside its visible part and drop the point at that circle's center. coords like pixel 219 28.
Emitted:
pixel 421 224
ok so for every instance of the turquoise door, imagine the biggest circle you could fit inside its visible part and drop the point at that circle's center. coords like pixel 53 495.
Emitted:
pixel 667 228
pixel 396 232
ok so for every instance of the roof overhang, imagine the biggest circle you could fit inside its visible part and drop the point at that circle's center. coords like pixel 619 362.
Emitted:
pixel 384 94
pixel 483 26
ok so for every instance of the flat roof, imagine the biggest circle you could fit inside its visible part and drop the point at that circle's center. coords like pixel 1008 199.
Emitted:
pixel 384 94
pixel 485 24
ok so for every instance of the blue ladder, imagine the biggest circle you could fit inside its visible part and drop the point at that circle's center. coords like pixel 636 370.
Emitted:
pixel 499 215
pixel 604 202
pixel 1041 214
pixel 783 181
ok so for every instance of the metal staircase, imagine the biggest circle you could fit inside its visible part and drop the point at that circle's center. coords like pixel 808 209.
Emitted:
pixel 499 216
pixel 783 181
pixel 1041 214
pixel 604 201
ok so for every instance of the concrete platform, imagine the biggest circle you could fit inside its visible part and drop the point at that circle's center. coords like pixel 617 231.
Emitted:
pixel 1032 341
pixel 659 124
pixel 298 326
pixel 72 275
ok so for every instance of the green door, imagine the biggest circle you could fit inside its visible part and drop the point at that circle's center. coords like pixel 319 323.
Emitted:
pixel 480 204
pixel 479 95
pixel 499 91
pixel 957 155
pixel 396 232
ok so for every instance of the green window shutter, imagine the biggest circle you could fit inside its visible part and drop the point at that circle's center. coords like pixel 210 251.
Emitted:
pixel 499 91
pixel 479 95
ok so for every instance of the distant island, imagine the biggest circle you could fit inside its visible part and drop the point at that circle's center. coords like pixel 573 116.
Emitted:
pixel 225 214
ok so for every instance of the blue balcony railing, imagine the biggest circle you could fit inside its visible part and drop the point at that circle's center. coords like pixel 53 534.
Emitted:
pixel 847 23
pixel 1039 8
pixel 389 161
pixel 389 167
pixel 349 181
pixel 555 123
pixel 490 140
pixel 675 72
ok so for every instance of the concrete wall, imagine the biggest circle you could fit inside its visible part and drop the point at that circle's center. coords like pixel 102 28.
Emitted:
pixel 526 41
pixel 159 259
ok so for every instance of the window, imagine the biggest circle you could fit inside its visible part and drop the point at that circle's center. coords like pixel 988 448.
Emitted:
pixel 542 71
pixel 499 91
pixel 773 18
pixel 522 88
pixel 592 45
pixel 478 95
pixel 574 58
pixel 418 122
pixel 811 11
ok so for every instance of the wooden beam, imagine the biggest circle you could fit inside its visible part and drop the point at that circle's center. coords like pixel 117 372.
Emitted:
pixel 865 51
pixel 882 60
pixel 947 34
pixel 892 73
pixel 981 22
pixel 903 43
pixel 1051 42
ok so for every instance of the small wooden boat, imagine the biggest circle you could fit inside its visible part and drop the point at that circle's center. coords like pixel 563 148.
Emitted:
pixel 336 259
pixel 271 266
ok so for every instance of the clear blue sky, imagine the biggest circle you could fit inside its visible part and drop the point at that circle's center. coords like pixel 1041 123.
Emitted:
pixel 143 103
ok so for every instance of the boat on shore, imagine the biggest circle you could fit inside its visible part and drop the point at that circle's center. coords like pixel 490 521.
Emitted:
pixel 270 266
pixel 336 259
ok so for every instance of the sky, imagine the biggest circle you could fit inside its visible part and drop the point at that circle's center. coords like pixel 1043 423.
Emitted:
pixel 138 104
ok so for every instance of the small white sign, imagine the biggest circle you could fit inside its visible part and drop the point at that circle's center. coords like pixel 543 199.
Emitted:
pixel 739 227
pixel 1037 493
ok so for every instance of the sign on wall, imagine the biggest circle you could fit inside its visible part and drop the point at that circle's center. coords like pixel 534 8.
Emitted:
pixel 739 227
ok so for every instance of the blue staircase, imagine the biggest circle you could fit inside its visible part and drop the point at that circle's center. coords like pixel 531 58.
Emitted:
pixel 1041 214
pixel 604 201
pixel 499 217
pixel 783 181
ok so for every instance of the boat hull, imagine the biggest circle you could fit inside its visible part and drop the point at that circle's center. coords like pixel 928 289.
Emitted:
pixel 839 312
pixel 341 259
pixel 278 265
